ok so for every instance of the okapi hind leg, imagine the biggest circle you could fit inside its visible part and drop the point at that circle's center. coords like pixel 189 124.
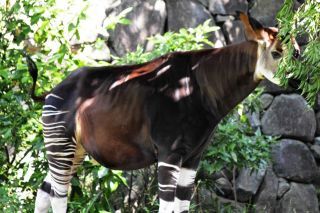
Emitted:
pixel 42 204
pixel 64 155
pixel 60 179
pixel 55 187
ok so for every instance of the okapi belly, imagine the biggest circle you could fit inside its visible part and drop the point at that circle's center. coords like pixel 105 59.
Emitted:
pixel 113 137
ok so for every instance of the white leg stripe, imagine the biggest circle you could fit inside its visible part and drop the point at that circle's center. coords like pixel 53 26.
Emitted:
pixel 51 124
pixel 175 175
pixel 166 190
pixel 59 164
pixel 186 177
pixel 60 154
pixel 49 106
pixel 46 113
pixel 181 205
pixel 61 158
pixel 51 111
pixel 54 127
pixel 48 135
pixel 60 131
pixel 166 185
pixel 165 206
pixel 55 139
pixel 59 204
pixel 67 143
pixel 53 95
pixel 168 165
pixel 42 202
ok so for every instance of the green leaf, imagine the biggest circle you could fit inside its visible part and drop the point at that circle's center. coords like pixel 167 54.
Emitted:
pixel 71 27
pixel 124 21
pixel 234 157
pixel 4 73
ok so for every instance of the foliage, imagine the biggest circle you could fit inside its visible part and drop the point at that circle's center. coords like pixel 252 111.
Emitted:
pixel 34 26
pixel 305 22
pixel 236 143
pixel 185 39
pixel 114 20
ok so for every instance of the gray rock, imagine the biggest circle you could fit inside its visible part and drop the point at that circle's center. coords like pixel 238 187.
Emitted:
pixel 223 18
pixel 266 198
pixel 186 14
pixel 114 4
pixel 296 5
pixel 317 104
pixel 289 116
pixel 227 6
pixel 90 27
pixel 293 160
pixel 207 199
pixel 235 5
pixel 218 38
pixel 205 196
pixel 315 149
pixel 189 14
pixel 204 3
pixel 217 7
pixel 224 186
pixel 147 19
pixel 300 198
pixel 234 31
pixel 283 187
pixel 248 182
pixel 254 119
pixel 317 140
pixel 318 123
pixel 266 11
pixel 266 100
pixel 225 173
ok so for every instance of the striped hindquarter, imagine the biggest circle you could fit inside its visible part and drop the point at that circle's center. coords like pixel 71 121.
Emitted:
pixel 64 156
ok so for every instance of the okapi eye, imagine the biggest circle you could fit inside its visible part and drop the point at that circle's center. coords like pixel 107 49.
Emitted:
pixel 276 54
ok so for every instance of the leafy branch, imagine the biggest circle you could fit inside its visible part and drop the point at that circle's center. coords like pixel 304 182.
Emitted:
pixel 305 22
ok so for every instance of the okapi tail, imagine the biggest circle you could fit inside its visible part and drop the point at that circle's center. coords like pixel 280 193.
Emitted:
pixel 33 71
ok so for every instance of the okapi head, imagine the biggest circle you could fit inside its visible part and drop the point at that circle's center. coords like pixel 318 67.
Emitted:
pixel 270 49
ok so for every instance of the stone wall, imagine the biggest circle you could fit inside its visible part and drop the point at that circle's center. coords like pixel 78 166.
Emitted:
pixel 295 158
pixel 289 184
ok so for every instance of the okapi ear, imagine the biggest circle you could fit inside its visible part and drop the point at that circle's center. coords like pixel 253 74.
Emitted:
pixel 253 29
pixel 272 32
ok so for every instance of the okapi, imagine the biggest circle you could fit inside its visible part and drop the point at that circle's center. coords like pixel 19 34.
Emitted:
pixel 129 117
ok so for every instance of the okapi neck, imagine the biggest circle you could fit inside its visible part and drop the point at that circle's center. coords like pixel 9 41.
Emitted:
pixel 226 76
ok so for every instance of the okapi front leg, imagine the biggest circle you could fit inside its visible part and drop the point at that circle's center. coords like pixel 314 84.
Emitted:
pixel 184 190
pixel 168 175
